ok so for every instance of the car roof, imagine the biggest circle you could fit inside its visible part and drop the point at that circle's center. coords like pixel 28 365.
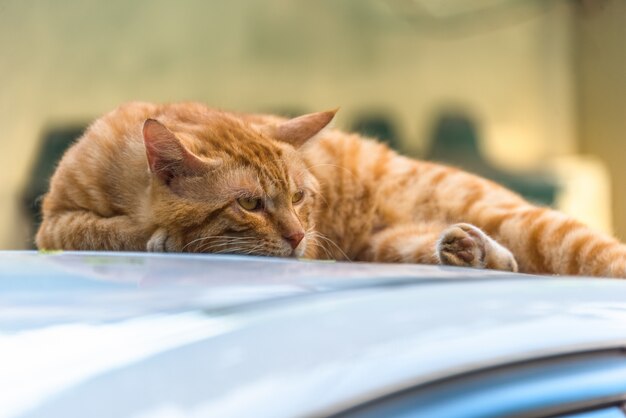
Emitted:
pixel 44 288
pixel 103 334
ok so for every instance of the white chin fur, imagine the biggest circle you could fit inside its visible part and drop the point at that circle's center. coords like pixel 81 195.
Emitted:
pixel 300 249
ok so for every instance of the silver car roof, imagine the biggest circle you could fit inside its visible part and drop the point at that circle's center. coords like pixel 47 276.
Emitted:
pixel 96 334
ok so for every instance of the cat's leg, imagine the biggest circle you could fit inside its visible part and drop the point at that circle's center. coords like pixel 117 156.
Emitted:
pixel 83 230
pixel 431 243
pixel 547 241
pixel 543 240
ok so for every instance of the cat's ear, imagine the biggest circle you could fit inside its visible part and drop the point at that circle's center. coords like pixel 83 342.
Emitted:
pixel 298 130
pixel 167 157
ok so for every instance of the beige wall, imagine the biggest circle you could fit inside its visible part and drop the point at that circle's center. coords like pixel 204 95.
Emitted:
pixel 64 61
pixel 601 67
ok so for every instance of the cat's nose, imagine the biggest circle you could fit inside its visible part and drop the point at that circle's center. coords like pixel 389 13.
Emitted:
pixel 294 239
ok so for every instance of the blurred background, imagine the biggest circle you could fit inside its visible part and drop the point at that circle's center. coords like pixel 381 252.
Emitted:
pixel 529 93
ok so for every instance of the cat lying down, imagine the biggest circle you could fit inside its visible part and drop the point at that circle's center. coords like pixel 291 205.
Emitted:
pixel 187 178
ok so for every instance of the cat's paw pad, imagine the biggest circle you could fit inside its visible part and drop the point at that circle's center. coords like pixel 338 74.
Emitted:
pixel 459 246
pixel 467 246
pixel 158 241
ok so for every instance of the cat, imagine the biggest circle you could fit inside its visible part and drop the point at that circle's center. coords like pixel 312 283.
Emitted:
pixel 184 177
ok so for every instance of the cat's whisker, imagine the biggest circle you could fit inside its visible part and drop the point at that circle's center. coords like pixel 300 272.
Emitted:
pixel 323 246
pixel 205 237
pixel 211 247
pixel 217 237
pixel 234 246
pixel 194 241
pixel 240 250
pixel 311 233
pixel 232 250
pixel 318 244
pixel 326 239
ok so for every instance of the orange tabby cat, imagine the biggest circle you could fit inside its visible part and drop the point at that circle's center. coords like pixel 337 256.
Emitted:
pixel 185 177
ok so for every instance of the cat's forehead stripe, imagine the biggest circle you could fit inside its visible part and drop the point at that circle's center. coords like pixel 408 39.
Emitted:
pixel 242 145
pixel 274 185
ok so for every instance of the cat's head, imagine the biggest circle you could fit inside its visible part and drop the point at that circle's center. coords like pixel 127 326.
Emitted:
pixel 233 184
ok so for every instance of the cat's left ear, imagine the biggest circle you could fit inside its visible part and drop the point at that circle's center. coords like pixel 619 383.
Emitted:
pixel 167 157
pixel 299 130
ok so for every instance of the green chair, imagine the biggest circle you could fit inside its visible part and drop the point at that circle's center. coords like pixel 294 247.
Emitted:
pixel 455 142
pixel 377 126
pixel 54 143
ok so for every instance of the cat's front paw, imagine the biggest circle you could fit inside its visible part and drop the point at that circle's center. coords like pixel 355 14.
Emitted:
pixel 467 246
pixel 158 241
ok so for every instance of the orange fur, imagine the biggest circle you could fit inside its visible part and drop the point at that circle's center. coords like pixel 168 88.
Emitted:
pixel 175 183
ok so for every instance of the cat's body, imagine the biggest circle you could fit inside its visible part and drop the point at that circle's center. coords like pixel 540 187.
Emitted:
pixel 184 177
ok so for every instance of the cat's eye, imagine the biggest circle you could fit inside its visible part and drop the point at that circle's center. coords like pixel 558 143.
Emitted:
pixel 250 203
pixel 297 196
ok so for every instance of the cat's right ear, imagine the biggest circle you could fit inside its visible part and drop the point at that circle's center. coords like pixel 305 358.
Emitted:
pixel 298 131
pixel 167 157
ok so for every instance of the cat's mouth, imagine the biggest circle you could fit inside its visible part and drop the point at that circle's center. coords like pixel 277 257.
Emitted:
pixel 295 253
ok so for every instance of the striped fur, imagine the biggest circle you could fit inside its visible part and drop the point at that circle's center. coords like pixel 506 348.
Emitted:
pixel 362 201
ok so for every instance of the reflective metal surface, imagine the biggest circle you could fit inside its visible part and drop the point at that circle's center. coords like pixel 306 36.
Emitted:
pixel 142 335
